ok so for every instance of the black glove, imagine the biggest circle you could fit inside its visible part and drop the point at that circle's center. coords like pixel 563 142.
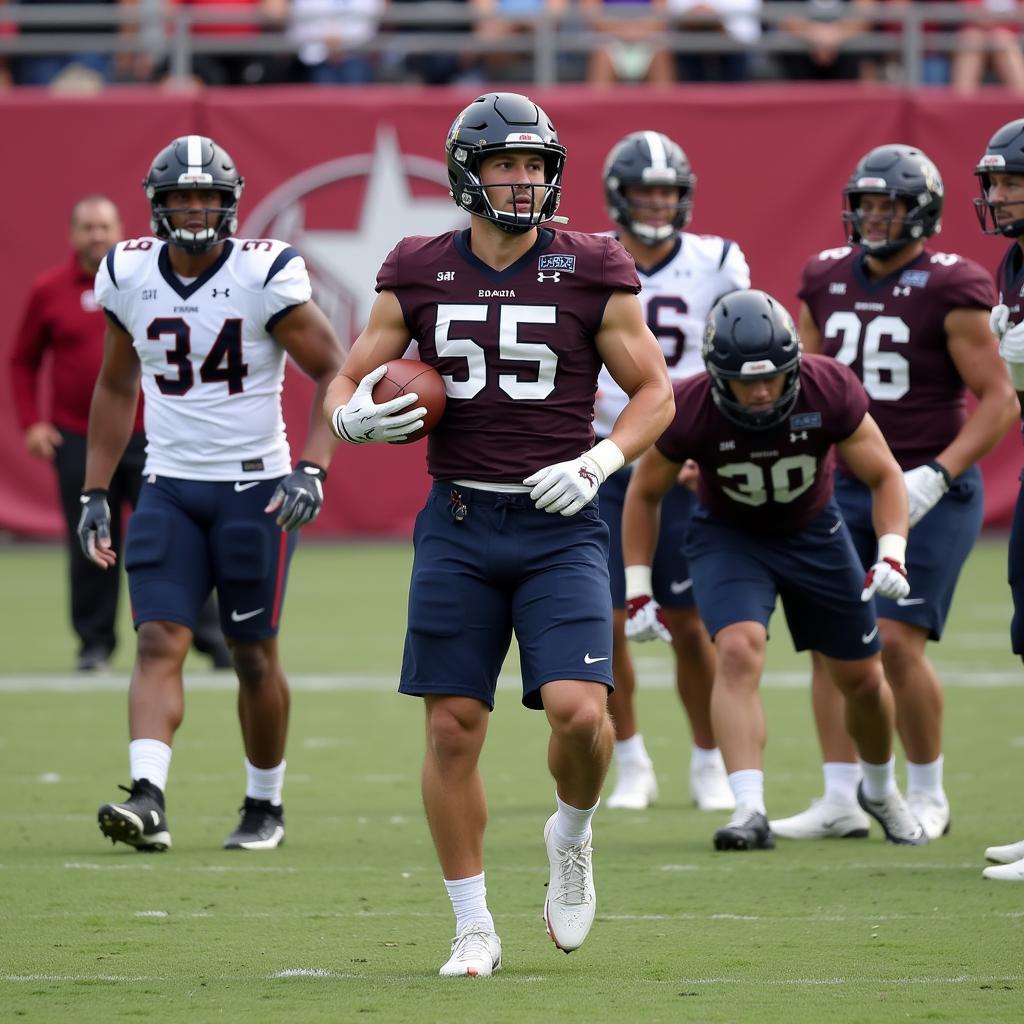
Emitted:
pixel 94 522
pixel 299 496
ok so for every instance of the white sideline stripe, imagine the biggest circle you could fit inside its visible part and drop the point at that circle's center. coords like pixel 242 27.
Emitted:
pixel 656 677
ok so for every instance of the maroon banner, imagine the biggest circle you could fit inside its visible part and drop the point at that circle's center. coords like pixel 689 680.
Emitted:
pixel 343 174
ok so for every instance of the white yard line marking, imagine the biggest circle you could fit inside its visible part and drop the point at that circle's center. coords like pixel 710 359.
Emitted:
pixel 655 676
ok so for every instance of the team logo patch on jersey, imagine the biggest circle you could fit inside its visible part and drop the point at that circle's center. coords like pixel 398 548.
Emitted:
pixel 914 278
pixel 554 261
pixel 805 421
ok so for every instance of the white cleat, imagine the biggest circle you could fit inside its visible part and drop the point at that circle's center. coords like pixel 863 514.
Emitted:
pixel 896 818
pixel 709 787
pixel 1006 854
pixel 1006 872
pixel 571 900
pixel 932 812
pixel 635 787
pixel 825 819
pixel 476 953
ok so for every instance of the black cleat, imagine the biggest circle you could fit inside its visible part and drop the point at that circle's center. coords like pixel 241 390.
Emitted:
pixel 896 818
pixel 748 830
pixel 261 827
pixel 140 821
pixel 93 659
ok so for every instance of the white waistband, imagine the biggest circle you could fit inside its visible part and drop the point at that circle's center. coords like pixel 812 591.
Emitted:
pixel 497 488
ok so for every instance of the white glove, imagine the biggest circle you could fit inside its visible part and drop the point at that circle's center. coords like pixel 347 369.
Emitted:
pixel 646 620
pixel 1011 345
pixel 998 320
pixel 567 486
pixel 361 420
pixel 925 487
pixel 887 578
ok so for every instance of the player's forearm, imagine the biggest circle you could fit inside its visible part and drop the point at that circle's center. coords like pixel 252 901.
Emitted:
pixel 111 419
pixel 992 417
pixel 339 391
pixel 320 439
pixel 889 508
pixel 641 521
pixel 644 419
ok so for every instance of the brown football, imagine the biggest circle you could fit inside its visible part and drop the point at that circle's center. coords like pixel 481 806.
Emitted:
pixel 407 376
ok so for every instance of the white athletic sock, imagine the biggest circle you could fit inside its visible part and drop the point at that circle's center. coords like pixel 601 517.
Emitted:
pixel 572 824
pixel 631 750
pixel 841 781
pixel 879 779
pixel 151 760
pixel 469 901
pixel 926 778
pixel 748 787
pixel 264 783
pixel 702 757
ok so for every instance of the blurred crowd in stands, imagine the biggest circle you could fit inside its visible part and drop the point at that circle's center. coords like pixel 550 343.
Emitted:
pixel 354 42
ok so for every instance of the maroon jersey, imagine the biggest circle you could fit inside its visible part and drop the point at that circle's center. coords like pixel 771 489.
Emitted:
pixel 771 481
pixel 515 347
pixel 892 334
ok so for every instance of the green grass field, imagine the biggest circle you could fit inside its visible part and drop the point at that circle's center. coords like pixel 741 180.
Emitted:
pixel 349 921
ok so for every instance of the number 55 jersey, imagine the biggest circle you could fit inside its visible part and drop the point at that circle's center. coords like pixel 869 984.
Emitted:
pixel 891 333
pixel 211 370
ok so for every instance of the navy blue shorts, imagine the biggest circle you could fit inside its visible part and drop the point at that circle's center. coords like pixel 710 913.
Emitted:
pixel 1015 560
pixel 670 572
pixel 815 571
pixel 936 551
pixel 505 566
pixel 187 536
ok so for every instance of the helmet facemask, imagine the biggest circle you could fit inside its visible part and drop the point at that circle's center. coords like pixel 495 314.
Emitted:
pixel 221 222
pixel 475 197
pixel 915 220
pixel 987 210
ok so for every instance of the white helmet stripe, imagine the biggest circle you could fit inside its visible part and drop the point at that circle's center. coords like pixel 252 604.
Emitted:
pixel 659 159
pixel 195 154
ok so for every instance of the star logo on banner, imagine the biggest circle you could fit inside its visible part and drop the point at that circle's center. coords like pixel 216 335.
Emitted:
pixel 343 264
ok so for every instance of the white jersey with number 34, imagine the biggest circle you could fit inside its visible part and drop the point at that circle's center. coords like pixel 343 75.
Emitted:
pixel 211 370
pixel 676 298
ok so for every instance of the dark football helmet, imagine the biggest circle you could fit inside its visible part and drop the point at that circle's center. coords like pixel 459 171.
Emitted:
pixel 494 122
pixel 900 172
pixel 648 158
pixel 750 336
pixel 1004 153
pixel 194 162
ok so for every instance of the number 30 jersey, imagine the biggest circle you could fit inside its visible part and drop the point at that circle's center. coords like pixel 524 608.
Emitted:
pixel 677 296
pixel 211 370
pixel 892 334
pixel 767 482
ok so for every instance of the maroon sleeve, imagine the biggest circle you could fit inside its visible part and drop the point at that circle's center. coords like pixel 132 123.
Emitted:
pixel 676 443
pixel 842 396
pixel 971 287
pixel 387 276
pixel 619 268
pixel 30 344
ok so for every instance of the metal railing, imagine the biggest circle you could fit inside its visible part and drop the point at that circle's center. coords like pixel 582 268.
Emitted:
pixel 165 32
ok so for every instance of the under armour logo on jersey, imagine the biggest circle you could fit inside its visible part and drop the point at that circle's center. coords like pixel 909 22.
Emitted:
pixel 556 277
pixel 797 435
pixel 226 293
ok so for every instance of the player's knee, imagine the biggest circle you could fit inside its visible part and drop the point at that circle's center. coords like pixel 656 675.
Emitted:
pixel 901 652
pixel 740 654
pixel 454 731
pixel 862 683
pixel 161 641
pixel 253 663
pixel 581 722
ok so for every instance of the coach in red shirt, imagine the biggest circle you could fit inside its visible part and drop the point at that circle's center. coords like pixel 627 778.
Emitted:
pixel 63 327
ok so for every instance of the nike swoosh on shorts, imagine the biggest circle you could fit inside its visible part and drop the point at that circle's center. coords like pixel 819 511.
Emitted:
pixel 237 616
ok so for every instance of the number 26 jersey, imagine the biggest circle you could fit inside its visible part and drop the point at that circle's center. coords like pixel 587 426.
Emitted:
pixel 211 370
pixel 891 333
